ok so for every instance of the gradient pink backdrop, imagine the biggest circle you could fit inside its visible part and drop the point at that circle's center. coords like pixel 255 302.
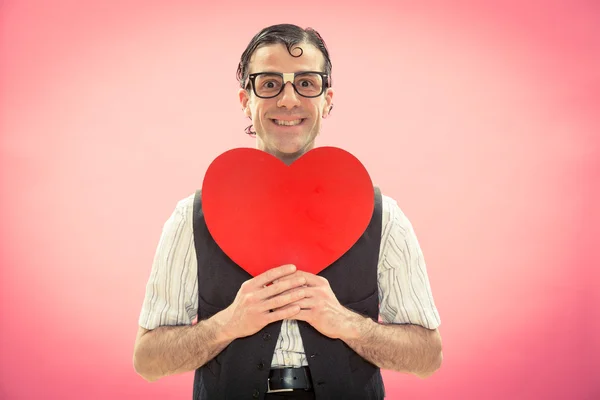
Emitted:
pixel 481 119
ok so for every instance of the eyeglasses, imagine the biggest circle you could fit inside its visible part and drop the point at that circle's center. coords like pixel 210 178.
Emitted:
pixel 267 85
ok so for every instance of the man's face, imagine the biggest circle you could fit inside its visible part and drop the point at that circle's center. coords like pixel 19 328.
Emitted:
pixel 286 125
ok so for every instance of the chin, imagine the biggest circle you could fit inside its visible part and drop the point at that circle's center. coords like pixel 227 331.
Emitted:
pixel 292 146
pixel 289 149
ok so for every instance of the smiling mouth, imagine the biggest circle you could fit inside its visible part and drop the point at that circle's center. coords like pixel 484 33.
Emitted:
pixel 294 122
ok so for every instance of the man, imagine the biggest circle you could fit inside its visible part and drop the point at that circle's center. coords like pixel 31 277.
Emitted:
pixel 287 333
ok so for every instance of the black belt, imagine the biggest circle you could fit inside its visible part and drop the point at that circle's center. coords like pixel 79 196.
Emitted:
pixel 287 379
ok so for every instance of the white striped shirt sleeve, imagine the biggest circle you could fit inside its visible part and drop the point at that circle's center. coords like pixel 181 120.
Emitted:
pixel 404 290
pixel 172 290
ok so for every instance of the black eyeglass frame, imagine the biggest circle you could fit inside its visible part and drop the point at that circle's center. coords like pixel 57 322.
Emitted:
pixel 324 77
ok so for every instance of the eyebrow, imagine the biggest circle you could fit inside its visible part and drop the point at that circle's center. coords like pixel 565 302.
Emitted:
pixel 279 72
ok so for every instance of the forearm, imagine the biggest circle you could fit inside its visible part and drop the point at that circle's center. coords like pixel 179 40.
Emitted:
pixel 170 350
pixel 404 348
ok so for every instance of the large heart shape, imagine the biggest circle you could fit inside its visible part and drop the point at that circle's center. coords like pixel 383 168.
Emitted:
pixel 263 213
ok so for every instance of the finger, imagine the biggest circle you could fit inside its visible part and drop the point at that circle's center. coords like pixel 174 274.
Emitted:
pixel 307 292
pixel 314 280
pixel 291 305
pixel 283 299
pixel 281 287
pixel 305 303
pixel 269 276
pixel 286 312
pixel 311 279
pixel 288 277
pixel 302 315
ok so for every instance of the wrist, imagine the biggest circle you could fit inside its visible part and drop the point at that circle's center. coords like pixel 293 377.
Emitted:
pixel 221 326
pixel 358 327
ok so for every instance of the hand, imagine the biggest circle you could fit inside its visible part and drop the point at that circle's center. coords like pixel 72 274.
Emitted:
pixel 257 305
pixel 321 309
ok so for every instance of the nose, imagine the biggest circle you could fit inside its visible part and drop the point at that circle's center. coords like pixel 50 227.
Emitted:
pixel 289 98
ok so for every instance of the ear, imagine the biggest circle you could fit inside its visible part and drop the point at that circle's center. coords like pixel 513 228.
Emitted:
pixel 244 101
pixel 327 106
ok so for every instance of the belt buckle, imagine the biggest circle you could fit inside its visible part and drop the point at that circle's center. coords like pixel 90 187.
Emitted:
pixel 269 390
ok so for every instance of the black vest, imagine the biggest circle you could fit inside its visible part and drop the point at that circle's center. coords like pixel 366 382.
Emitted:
pixel 241 370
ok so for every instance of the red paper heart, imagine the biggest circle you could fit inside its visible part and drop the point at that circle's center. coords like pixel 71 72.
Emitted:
pixel 263 213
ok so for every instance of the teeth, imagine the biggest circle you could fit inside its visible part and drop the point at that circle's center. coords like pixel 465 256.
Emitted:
pixel 287 123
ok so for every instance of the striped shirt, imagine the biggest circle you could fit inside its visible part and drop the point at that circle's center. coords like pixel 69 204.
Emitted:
pixel 404 291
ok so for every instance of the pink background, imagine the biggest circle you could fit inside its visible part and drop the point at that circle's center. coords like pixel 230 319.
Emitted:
pixel 482 120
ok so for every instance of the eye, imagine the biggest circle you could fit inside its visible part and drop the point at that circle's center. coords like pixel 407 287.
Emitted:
pixel 306 83
pixel 269 84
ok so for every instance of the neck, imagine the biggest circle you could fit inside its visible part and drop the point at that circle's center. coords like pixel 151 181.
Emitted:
pixel 287 158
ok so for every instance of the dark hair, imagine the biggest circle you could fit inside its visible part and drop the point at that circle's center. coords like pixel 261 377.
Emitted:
pixel 290 36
